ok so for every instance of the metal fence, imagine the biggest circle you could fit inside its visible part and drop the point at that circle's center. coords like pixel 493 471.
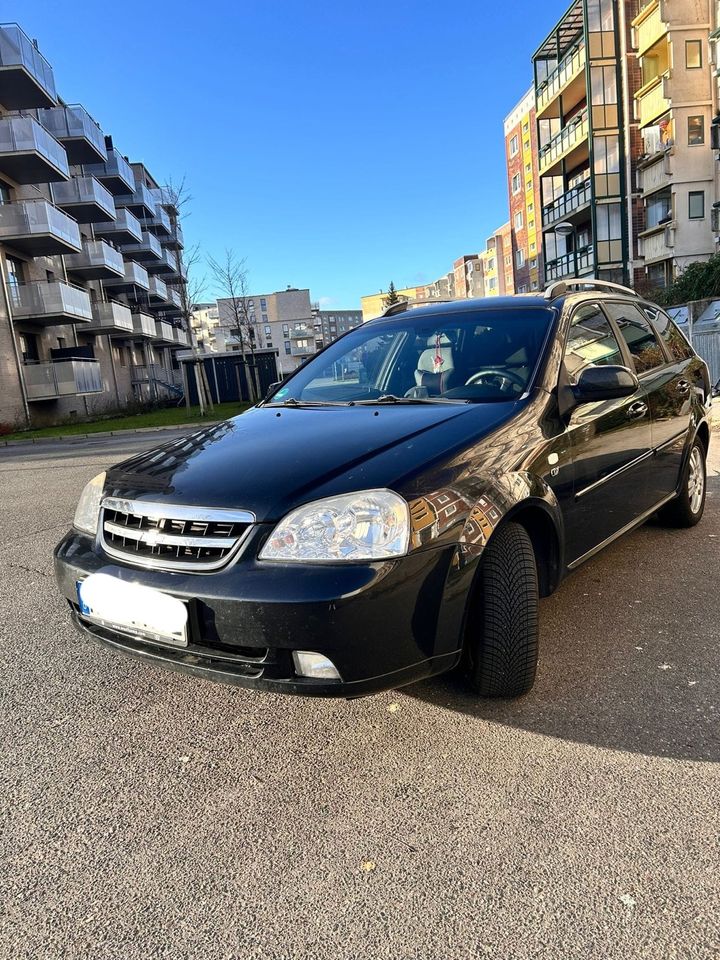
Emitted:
pixel 700 322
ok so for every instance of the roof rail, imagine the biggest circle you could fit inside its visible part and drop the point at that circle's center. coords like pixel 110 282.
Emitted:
pixel 560 287
pixel 402 305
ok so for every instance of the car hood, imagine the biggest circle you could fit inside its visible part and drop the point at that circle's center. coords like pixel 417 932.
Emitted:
pixel 270 460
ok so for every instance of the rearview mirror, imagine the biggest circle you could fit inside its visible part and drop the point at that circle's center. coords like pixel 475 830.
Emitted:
pixel 604 383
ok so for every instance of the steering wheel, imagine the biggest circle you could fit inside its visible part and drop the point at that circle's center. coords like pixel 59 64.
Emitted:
pixel 500 374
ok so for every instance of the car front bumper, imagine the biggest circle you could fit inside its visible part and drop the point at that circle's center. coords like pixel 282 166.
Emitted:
pixel 382 625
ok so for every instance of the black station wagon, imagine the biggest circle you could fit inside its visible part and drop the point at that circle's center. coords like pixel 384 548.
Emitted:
pixel 397 506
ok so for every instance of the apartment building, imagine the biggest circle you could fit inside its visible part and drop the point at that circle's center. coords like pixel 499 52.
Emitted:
pixel 676 168
pixel 330 324
pixel 374 303
pixel 90 312
pixel 581 109
pixel 497 263
pixel 282 320
pixel 204 320
pixel 521 155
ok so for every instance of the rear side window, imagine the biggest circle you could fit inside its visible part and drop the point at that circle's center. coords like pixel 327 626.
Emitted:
pixel 639 335
pixel 590 342
pixel 676 343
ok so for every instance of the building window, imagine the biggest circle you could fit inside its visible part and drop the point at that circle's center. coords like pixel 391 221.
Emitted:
pixel 526 145
pixel 287 347
pixel 268 332
pixel 492 283
pixel 696 204
pixel 693 54
pixel 4 193
pixel 519 220
pixel 491 263
pixel 519 258
pixel 696 131
pixel 533 263
pixel 600 16
pixel 263 303
pixel 516 183
pixel 286 329
pixel 514 146
pixel 526 127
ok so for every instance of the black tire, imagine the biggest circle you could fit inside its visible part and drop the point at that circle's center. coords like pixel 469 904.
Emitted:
pixel 688 507
pixel 501 638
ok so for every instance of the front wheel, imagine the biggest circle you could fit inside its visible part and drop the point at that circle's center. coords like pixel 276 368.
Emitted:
pixel 501 640
pixel 687 508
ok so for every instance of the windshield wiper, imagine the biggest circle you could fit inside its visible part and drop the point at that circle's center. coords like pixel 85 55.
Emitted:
pixel 391 398
pixel 292 402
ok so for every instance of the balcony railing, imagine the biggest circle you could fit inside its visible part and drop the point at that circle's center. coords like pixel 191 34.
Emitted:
pixel 148 250
pixel 181 337
pixel 86 199
pixel 28 154
pixel 134 275
pixel 653 100
pixel 574 264
pixel 76 130
pixel 28 79
pixel 116 173
pixel 649 27
pixel 124 229
pixel 569 137
pixel 139 200
pixel 568 68
pixel 158 290
pixel 164 332
pixel 62 378
pixel 143 325
pixel 44 302
pixel 159 223
pixel 109 316
pixel 166 198
pixel 568 203
pixel 96 261
pixel 38 228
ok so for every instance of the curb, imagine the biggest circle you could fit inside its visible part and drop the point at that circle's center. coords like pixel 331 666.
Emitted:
pixel 105 433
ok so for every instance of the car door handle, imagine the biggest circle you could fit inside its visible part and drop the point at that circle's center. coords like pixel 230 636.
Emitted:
pixel 682 387
pixel 637 410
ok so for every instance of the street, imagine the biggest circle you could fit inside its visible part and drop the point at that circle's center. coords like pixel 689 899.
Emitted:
pixel 147 814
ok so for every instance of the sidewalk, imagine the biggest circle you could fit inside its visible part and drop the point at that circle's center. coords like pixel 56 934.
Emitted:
pixel 64 437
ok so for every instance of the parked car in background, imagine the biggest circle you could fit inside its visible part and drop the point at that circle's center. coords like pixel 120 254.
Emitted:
pixel 353 534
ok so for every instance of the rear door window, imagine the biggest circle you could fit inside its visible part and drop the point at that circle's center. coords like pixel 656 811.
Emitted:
pixel 678 347
pixel 639 335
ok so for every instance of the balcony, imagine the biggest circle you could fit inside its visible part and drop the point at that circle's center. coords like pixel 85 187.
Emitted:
pixel 657 243
pixel 570 69
pixel 566 206
pixel 656 174
pixel 49 304
pixel 133 276
pixel 648 27
pixel 158 292
pixel 139 201
pixel 28 154
pixel 145 372
pixel 39 229
pixel 76 130
pixel 652 100
pixel 115 174
pixel 147 251
pixel 165 197
pixel 124 229
pixel 110 317
pixel 175 241
pixel 143 325
pixel 159 224
pixel 26 77
pixel 578 264
pixel 62 378
pixel 564 143
pixel 181 337
pixel 167 264
pixel 85 199
pixel 96 261
pixel 164 332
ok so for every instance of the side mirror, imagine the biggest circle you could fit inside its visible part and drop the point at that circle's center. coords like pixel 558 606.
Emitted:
pixel 272 388
pixel 604 383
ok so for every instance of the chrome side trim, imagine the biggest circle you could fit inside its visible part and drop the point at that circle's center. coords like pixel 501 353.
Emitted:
pixel 615 473
pixel 175 511
pixel 621 532
pixel 667 443
pixel 155 538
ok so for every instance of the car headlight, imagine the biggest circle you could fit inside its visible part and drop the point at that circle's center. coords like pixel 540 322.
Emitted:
pixel 370 525
pixel 88 509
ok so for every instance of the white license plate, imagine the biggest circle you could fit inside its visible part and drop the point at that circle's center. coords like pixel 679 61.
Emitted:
pixel 133 609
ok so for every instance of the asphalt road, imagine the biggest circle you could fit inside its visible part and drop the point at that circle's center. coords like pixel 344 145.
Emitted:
pixel 150 815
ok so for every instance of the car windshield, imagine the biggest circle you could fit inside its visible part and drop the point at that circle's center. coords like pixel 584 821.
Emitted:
pixel 468 356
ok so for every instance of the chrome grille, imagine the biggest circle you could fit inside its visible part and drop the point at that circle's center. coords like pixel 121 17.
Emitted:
pixel 171 536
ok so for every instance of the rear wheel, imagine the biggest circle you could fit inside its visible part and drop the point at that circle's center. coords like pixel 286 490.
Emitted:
pixel 687 508
pixel 501 641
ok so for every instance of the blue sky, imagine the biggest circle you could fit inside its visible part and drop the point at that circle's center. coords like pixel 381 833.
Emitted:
pixel 335 145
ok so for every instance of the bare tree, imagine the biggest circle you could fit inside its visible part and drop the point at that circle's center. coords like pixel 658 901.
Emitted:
pixel 231 278
pixel 191 288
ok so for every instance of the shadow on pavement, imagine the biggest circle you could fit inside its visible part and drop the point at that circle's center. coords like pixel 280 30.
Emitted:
pixel 630 649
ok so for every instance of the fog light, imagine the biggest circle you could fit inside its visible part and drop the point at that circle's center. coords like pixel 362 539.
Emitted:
pixel 314 665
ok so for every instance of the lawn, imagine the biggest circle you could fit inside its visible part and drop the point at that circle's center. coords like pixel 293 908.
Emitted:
pixel 167 417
